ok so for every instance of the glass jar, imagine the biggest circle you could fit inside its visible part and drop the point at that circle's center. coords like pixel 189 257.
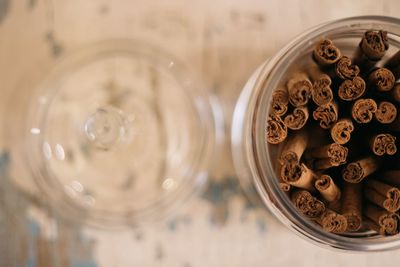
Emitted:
pixel 254 161
pixel 118 133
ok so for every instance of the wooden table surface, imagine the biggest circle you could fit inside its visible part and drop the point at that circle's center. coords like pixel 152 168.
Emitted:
pixel 223 41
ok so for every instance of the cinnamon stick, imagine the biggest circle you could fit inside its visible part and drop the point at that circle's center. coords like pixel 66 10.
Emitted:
pixel 333 222
pixel 280 101
pixel 307 204
pixel 326 53
pixel 276 130
pixel 284 187
pixel 321 92
pixel 382 144
pixel 330 155
pixel 350 90
pixel 382 79
pixel 327 115
pixel 341 131
pixel 297 119
pixel 386 112
pixel 372 48
pixel 298 175
pixel 391 177
pixel 299 89
pixel 352 205
pixel 395 93
pixel 345 70
pixel 363 110
pixel 356 171
pixel 328 189
pixel 393 64
pixel 294 148
pixel 383 195
pixel 385 223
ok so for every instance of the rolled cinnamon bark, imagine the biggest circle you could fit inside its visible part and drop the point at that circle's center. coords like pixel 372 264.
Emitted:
pixel 327 115
pixel 330 155
pixel 297 119
pixel 328 189
pixel 372 48
pixel 333 222
pixel 284 187
pixel 393 64
pixel 326 53
pixel 280 101
pixel 345 70
pixel 307 204
pixel 395 93
pixel 341 131
pixel 363 110
pixel 294 148
pixel 382 144
pixel 386 112
pixel 383 195
pixel 352 205
pixel 299 89
pixel 350 90
pixel 276 130
pixel 321 92
pixel 383 222
pixel 382 79
pixel 298 175
pixel 391 177
pixel 356 171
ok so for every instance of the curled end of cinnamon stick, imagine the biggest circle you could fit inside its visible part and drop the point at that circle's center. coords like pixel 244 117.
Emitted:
pixel 297 119
pixel 363 110
pixel 374 44
pixel 333 222
pixel 337 154
pixel 350 90
pixel 321 92
pixel 299 89
pixel 327 115
pixel 345 70
pixel 386 112
pixel 326 53
pixel 276 130
pixel 329 191
pixel 356 171
pixel 307 204
pixel 385 223
pixel 383 79
pixel 384 144
pixel 341 131
pixel 280 101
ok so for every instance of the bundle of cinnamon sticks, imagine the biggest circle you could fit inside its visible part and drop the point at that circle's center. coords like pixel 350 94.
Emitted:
pixel 336 122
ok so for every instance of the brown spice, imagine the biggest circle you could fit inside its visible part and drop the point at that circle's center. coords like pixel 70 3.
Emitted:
pixel 393 64
pixel 321 92
pixel 383 195
pixel 385 223
pixel 352 205
pixel 350 90
pixel 294 147
pixel 382 79
pixel 299 89
pixel 326 53
pixel 341 131
pixel 382 144
pixel 327 115
pixel 391 177
pixel 297 119
pixel 276 130
pixel 330 155
pixel 363 110
pixel 298 175
pixel 356 171
pixel 374 44
pixel 307 204
pixel 328 189
pixel 386 112
pixel 280 101
pixel 345 70
pixel 333 222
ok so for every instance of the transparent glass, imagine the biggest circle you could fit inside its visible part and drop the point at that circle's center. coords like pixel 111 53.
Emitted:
pixel 118 133
pixel 254 159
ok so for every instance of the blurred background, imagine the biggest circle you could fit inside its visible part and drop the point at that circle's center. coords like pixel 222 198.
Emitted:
pixel 223 42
